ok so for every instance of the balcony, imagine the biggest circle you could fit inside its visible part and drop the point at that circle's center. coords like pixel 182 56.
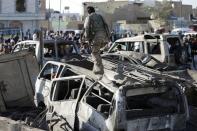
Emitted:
pixel 21 16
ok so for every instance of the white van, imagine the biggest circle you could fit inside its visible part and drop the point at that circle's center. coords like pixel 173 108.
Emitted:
pixel 164 48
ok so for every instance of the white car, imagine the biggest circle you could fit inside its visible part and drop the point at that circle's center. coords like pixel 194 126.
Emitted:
pixel 58 50
pixel 166 48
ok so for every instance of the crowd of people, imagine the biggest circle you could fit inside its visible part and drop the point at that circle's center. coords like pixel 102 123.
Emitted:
pixel 7 44
pixel 190 41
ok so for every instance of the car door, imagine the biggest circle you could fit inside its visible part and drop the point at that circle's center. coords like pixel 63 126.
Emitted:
pixel 50 71
pixel 63 102
pixel 93 109
pixel 155 49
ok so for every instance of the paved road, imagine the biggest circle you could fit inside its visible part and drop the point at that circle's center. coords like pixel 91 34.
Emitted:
pixel 192 124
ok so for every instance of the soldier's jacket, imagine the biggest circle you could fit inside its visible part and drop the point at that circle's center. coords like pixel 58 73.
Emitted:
pixel 96 28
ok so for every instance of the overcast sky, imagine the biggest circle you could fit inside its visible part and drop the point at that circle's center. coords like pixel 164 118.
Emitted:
pixel 76 5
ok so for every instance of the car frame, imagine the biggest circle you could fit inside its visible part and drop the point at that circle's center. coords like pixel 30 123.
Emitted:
pixel 53 45
pixel 103 107
pixel 78 102
pixel 162 45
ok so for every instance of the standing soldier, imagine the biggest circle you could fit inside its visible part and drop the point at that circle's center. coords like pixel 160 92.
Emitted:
pixel 97 33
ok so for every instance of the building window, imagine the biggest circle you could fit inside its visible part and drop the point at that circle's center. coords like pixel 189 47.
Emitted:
pixel 20 5
pixel 0 5
pixel 1 25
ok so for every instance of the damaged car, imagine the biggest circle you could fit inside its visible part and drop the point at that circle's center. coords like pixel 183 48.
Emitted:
pixel 50 71
pixel 130 107
pixel 80 102
pixel 166 48
pixel 56 50
pixel 124 61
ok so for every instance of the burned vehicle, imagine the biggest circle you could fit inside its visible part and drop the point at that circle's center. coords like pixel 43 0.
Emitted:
pixel 56 50
pixel 50 71
pixel 124 60
pixel 166 48
pixel 76 101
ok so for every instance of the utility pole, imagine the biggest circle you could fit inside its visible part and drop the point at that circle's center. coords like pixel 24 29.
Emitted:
pixel 172 23
pixel 41 47
pixel 181 12
pixel 49 15
pixel 59 15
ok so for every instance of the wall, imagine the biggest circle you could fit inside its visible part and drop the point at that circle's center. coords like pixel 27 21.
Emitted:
pixel 31 6
pixel 182 10
pixel 8 6
pixel 113 11
pixel 30 18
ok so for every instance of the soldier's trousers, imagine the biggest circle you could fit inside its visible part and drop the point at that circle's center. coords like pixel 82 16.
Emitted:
pixel 98 65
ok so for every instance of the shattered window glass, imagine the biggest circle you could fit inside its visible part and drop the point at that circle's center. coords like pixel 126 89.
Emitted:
pixel 49 50
pixel 64 50
pixel 137 46
pixel 49 72
pixel 18 47
pixel 151 101
pixel 29 46
pixel 154 48
pixel 120 46
pixel 100 99
pixel 69 89
pixel 173 44
pixel 66 89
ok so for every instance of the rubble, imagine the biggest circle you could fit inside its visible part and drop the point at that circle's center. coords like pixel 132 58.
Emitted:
pixel 17 80
pixel 7 124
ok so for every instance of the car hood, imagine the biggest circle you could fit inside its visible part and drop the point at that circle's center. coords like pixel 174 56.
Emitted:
pixel 133 54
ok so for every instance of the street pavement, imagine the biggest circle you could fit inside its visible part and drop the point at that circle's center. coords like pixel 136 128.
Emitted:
pixel 192 123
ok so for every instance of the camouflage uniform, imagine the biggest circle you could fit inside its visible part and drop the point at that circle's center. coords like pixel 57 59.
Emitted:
pixel 97 33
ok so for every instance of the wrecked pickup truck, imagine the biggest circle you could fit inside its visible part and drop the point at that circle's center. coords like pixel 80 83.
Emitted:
pixel 53 50
pixel 78 102
pixel 17 80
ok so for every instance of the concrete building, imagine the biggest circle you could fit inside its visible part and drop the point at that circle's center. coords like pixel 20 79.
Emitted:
pixel 181 10
pixel 61 21
pixel 22 14
pixel 194 12
pixel 182 14
pixel 121 15
pixel 131 14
